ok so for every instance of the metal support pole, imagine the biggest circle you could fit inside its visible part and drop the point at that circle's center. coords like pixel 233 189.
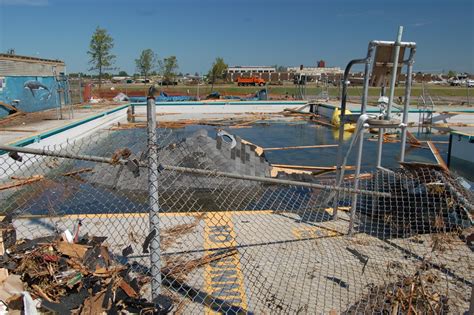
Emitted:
pixel 339 174
pixel 155 251
pixel 471 305
pixel 467 90
pixel 408 83
pixel 393 80
pixel 363 110
pixel 81 99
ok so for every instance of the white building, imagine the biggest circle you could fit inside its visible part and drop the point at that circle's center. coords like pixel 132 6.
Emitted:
pixel 250 69
pixel 315 71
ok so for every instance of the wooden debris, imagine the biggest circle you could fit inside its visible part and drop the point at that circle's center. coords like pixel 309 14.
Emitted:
pixel 94 305
pixel 274 171
pixel 437 155
pixel 170 235
pixel 128 289
pixel 257 149
pixel 179 269
pixel 84 170
pixel 40 293
pixel 21 181
pixel 72 250
pixel 410 295
pixel 412 139
pixel 60 274
pixel 361 176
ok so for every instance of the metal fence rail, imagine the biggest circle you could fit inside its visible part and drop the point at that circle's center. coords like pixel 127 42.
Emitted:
pixel 235 244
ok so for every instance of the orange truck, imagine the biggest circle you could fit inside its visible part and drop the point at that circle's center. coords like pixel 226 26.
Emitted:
pixel 250 81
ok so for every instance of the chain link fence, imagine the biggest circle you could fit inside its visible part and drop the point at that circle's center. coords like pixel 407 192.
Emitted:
pixel 241 245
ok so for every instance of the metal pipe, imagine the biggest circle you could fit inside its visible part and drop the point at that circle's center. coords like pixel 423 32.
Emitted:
pixel 471 304
pixel 408 84
pixel 393 80
pixel 155 250
pixel 191 170
pixel 391 43
pixel 341 128
pixel 363 110
pixel 272 180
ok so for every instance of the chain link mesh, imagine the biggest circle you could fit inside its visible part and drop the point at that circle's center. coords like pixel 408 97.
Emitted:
pixel 235 246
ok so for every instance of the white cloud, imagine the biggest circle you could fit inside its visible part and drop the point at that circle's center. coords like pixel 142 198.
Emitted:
pixel 30 3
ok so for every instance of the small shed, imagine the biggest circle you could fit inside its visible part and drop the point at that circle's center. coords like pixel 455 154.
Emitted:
pixel 31 84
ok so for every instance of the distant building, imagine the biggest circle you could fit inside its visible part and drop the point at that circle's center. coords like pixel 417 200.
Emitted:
pixel 248 71
pixel 316 71
pixel 251 69
pixel 31 84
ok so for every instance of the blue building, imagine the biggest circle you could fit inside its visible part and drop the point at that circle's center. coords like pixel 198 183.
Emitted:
pixel 31 84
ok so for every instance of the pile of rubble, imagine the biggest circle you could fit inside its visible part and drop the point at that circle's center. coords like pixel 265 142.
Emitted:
pixel 65 274
pixel 413 294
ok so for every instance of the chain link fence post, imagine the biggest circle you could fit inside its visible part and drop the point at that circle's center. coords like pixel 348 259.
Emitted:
pixel 155 259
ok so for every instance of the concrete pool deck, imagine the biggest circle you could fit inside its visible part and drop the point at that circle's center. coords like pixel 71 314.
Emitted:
pixel 34 124
pixel 263 275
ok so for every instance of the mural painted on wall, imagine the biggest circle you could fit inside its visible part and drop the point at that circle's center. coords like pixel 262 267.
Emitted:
pixel 38 90
pixel 32 93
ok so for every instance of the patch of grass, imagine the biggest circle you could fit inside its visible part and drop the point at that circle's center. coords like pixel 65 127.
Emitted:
pixel 290 89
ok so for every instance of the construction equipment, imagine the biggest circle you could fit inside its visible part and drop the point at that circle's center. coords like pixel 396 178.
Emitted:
pixel 250 81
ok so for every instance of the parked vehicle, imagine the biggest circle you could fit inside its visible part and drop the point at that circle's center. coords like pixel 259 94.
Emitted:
pixel 459 80
pixel 168 82
pixel 250 81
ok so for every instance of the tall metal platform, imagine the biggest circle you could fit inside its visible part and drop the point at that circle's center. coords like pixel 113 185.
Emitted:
pixel 384 60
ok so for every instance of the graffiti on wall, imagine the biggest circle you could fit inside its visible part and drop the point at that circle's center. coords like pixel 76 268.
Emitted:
pixel 37 89
pixel 29 93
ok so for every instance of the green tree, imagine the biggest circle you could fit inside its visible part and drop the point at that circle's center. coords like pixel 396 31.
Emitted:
pixel 123 74
pixel 451 74
pixel 146 62
pixel 168 67
pixel 217 71
pixel 100 54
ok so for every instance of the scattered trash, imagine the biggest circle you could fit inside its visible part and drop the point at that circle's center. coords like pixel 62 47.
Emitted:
pixel 340 282
pixel 412 294
pixel 121 97
pixel 49 274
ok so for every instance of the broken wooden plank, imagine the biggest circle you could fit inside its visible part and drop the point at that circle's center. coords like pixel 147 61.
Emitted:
pixel 21 182
pixel 128 289
pixel 84 170
pixel 361 176
pixel 72 250
pixel 437 155
pixel 3 271
pixel 276 170
pixel 412 139
pixel 258 149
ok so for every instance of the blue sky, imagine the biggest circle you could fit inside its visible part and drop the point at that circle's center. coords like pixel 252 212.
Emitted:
pixel 264 32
